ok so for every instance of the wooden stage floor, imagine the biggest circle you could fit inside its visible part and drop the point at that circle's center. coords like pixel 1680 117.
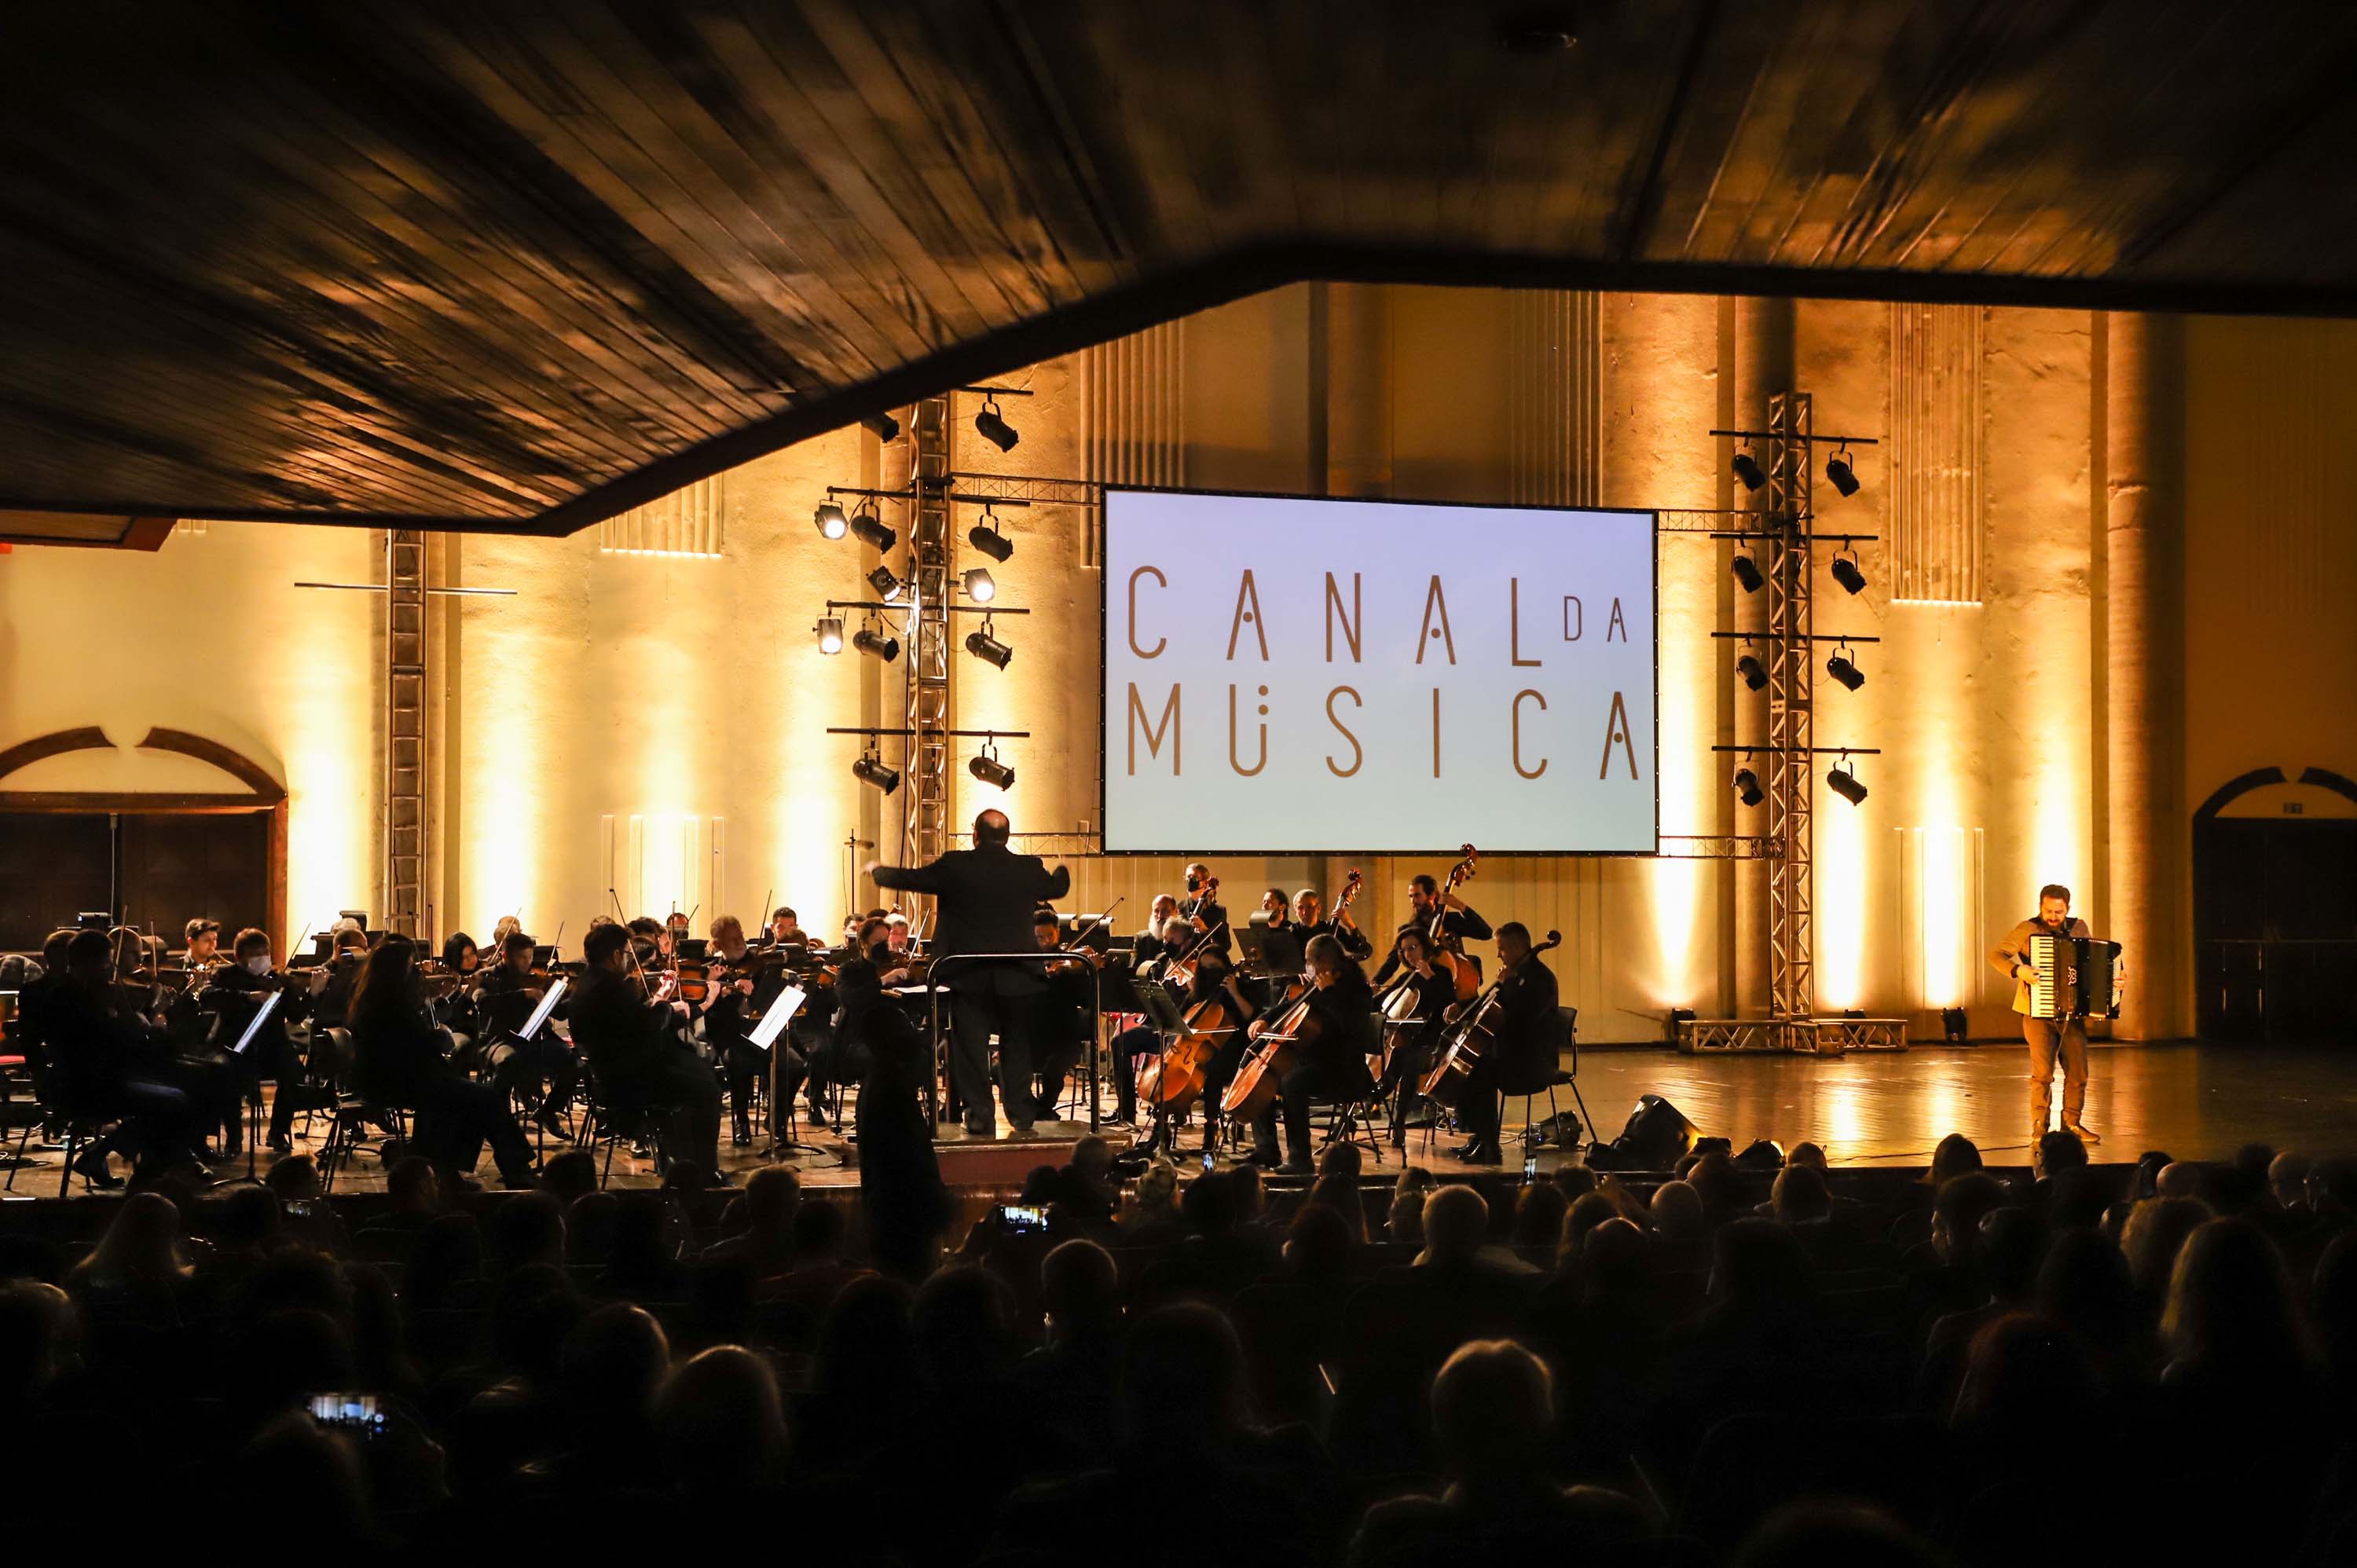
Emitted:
pixel 2196 1101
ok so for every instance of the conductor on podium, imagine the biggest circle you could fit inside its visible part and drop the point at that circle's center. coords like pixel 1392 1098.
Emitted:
pixel 986 896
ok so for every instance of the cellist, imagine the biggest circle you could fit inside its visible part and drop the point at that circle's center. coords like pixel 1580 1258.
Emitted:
pixel 1215 977
pixel 1458 921
pixel 1417 1001
pixel 1525 1039
pixel 1330 1053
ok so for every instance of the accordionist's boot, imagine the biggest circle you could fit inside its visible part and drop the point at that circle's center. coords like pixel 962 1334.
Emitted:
pixel 2079 1129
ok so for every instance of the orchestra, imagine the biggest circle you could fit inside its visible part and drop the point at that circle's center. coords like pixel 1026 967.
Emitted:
pixel 656 1029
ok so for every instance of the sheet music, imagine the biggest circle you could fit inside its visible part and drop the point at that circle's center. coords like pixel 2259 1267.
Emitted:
pixel 261 1015
pixel 781 1013
pixel 547 1005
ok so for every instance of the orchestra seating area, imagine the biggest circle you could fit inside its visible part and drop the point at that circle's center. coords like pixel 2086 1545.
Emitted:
pixel 1721 1364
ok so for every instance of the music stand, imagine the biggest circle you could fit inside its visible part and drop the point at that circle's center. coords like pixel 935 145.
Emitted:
pixel 547 1005
pixel 1275 950
pixel 780 1014
pixel 261 1015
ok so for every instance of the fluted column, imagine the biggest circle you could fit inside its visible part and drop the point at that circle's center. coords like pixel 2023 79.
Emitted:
pixel 2145 662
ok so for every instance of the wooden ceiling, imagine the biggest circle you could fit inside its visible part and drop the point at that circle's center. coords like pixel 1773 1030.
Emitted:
pixel 520 266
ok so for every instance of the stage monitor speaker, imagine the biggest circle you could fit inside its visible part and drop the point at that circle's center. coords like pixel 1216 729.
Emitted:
pixel 1762 1154
pixel 1657 1136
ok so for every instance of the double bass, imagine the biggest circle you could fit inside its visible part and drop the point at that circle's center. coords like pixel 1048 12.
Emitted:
pixel 1449 952
pixel 1475 1030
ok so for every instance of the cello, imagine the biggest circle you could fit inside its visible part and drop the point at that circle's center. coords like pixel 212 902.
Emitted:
pixel 1476 1030
pixel 1173 1081
pixel 1448 951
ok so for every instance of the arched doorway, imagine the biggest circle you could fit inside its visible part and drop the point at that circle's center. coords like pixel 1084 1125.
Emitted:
pixel 2275 909
pixel 144 857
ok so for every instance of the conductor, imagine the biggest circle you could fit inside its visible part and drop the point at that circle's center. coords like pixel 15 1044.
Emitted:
pixel 987 894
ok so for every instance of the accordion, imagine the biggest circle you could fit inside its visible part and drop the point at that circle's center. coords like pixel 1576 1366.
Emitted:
pixel 2074 977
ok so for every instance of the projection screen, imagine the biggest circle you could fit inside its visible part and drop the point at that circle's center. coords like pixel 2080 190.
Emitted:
pixel 1295 676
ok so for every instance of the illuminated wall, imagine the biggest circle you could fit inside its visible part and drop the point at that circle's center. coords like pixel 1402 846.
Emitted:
pixel 656 723
pixel 209 635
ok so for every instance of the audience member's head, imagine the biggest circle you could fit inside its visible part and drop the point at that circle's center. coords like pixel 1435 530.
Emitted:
pixel 1248 1192
pixel 1209 1205
pixel 1575 1182
pixel 612 1366
pixel 1799 1194
pixel 1492 1410
pixel 1539 1211
pixel 2022 1367
pixel 1338 1193
pixel 2012 1246
pixel 1081 1288
pixel 2288 1180
pixel 1954 1156
pixel 1957 1211
pixel 820 1230
pixel 2231 1307
pixel 1182 1382
pixel 37 1333
pixel 309 1480
pixel 1616 1259
pixel 525 1229
pixel 296 1179
pixel 1719 1183
pixel 1340 1158
pixel 1590 1210
pixel 568 1175
pixel 721 1424
pixel 962 1317
pixel 410 1186
pixel 2180 1179
pixel 142 1245
pixel 2156 1229
pixel 1318 1244
pixel 1455 1224
pixel 1811 1534
pixel 1156 1192
pixel 2083 1284
pixel 2058 1151
pixel 1807 1154
pixel 1677 1214
pixel 771 1195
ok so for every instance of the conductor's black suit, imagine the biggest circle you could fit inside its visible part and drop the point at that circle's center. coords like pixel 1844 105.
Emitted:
pixel 987 896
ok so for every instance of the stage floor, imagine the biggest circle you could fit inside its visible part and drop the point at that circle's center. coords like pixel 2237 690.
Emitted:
pixel 1867 1109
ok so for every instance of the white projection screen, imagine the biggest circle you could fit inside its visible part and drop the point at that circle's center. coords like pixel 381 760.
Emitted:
pixel 1289 676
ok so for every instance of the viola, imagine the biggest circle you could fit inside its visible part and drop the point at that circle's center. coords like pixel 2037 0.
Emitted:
pixel 1448 951
pixel 1476 1029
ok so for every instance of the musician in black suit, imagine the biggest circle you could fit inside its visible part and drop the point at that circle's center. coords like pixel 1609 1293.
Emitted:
pixel 1330 1057
pixel 987 896
pixel 1521 1049
pixel 1202 909
pixel 1459 922
pixel 632 1044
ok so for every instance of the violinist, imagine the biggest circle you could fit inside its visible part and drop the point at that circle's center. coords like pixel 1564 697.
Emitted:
pixel 742 993
pixel 1415 1005
pixel 1459 922
pixel 1064 1008
pixel 654 942
pixel 505 998
pixel 1202 909
pixel 455 1009
pixel 629 1041
pixel 785 931
pixel 332 983
pixel 1330 1055
pixel 183 1012
pixel 203 943
pixel 1525 1043
pixel 398 1060
pixel 1146 946
pixel 235 993
pixel 678 927
pixel 1309 921
pixel 109 1064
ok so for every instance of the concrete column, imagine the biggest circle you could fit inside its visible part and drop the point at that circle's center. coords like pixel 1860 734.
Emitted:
pixel 1763 361
pixel 2144 440
pixel 1658 390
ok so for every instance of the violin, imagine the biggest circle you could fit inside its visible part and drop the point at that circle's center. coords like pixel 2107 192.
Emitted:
pixel 1476 1029
pixel 1448 951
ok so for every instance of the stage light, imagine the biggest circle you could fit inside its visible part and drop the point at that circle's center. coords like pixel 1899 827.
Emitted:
pixel 1844 782
pixel 1747 470
pixel 830 633
pixel 1952 1024
pixel 986 648
pixel 1754 673
pixel 990 770
pixel 979 587
pixel 1844 669
pixel 888 586
pixel 1846 573
pixel 1746 571
pixel 994 428
pixel 866 527
pixel 1843 475
pixel 830 521
pixel 877 644
pixel 1747 787
pixel 870 771
pixel 887 428
pixel 989 541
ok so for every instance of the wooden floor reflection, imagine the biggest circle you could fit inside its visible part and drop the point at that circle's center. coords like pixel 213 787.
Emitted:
pixel 2195 1101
